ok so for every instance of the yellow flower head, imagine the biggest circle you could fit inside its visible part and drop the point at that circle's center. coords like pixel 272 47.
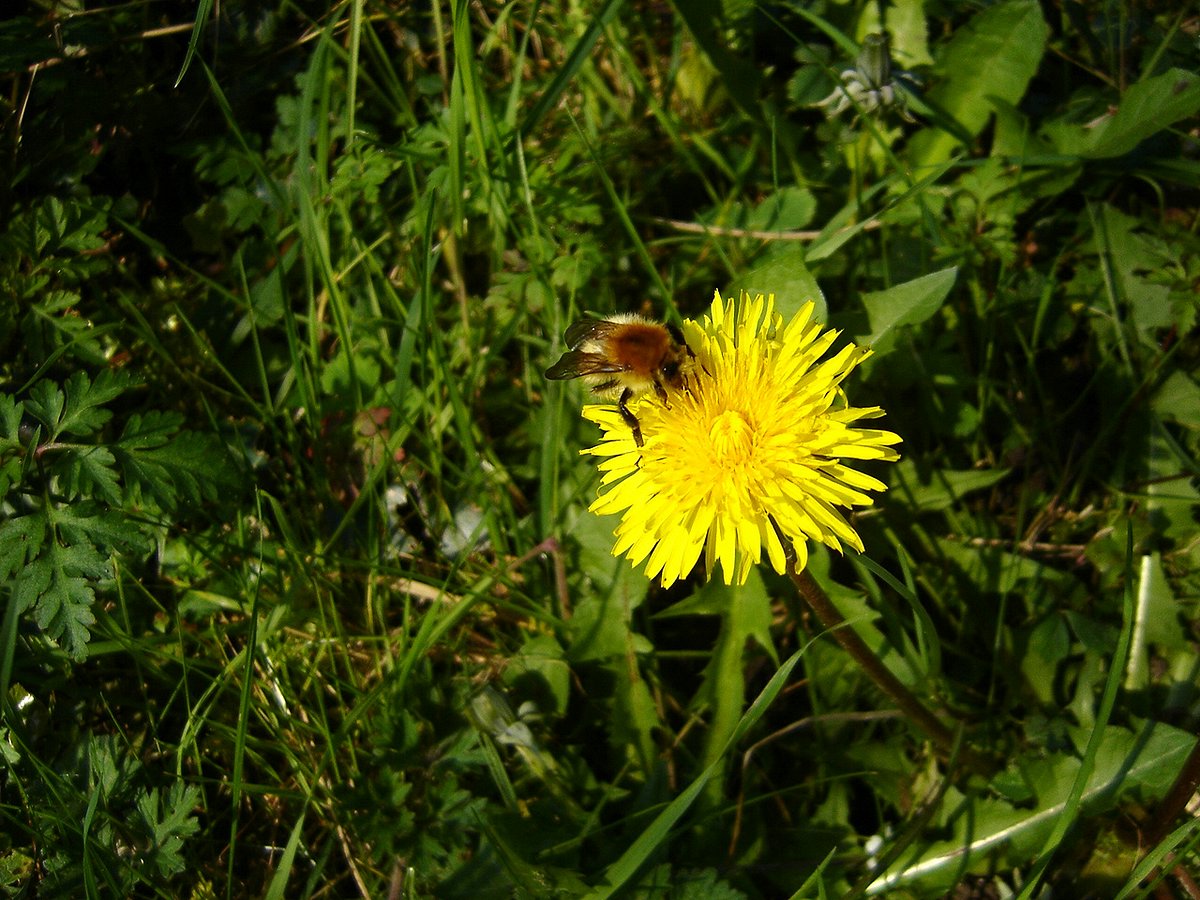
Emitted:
pixel 758 434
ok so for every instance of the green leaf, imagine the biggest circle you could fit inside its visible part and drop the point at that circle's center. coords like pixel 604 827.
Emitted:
pixel 166 465
pixel 57 588
pixel 89 472
pixel 54 577
pixel 1178 400
pixel 23 43
pixel 787 209
pixel 46 403
pixel 994 570
pixel 1156 621
pixel 668 883
pixel 600 624
pixel 905 304
pixel 10 419
pixel 169 821
pixel 20 539
pixel 1047 645
pixel 940 488
pixel 988 831
pixel 151 430
pixel 739 76
pixel 1147 108
pixel 13 458
pixel 89 523
pixel 31 584
pixel 909 29
pixel 993 57
pixel 541 659
pixel 78 409
pixel 785 275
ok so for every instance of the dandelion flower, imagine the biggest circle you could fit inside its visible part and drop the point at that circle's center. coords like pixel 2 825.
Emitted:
pixel 752 449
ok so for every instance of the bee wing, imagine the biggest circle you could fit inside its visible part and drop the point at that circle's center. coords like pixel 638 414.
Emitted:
pixel 574 364
pixel 585 329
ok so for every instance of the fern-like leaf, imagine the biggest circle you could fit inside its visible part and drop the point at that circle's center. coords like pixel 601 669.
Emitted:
pixel 20 539
pixel 63 604
pixel 89 472
pixel 167 464
pixel 78 408
pixel 68 553
pixel 10 443
pixel 169 820
pixel 10 420
pixel 89 523
pixel 77 509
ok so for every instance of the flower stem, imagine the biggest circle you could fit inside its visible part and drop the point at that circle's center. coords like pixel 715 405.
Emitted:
pixel 937 730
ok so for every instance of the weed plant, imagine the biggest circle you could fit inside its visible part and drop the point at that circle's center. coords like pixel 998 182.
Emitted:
pixel 300 593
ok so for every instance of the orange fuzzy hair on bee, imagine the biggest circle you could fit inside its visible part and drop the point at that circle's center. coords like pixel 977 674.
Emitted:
pixel 624 355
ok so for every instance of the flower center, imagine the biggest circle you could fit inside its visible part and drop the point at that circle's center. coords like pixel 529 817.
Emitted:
pixel 732 439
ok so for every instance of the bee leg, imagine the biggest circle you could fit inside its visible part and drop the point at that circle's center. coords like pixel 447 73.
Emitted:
pixel 630 419
pixel 679 339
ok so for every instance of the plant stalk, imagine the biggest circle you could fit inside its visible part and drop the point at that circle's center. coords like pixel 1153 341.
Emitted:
pixel 941 734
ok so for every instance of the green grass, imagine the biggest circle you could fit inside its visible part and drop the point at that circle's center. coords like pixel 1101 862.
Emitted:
pixel 301 596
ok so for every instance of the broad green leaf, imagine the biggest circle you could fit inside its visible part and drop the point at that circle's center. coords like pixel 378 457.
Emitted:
pixel 989 832
pixel 80 559
pixel 1147 108
pixel 909 30
pixel 542 658
pixel 787 209
pixel 992 570
pixel 23 42
pixel 993 57
pixel 635 717
pixel 785 275
pixel 1156 621
pixel 684 884
pixel 151 430
pixel 1173 497
pixel 905 304
pixel 600 621
pixel 1046 646
pixel 1013 135
pixel 941 488
pixel 1178 400
pixel 1136 260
